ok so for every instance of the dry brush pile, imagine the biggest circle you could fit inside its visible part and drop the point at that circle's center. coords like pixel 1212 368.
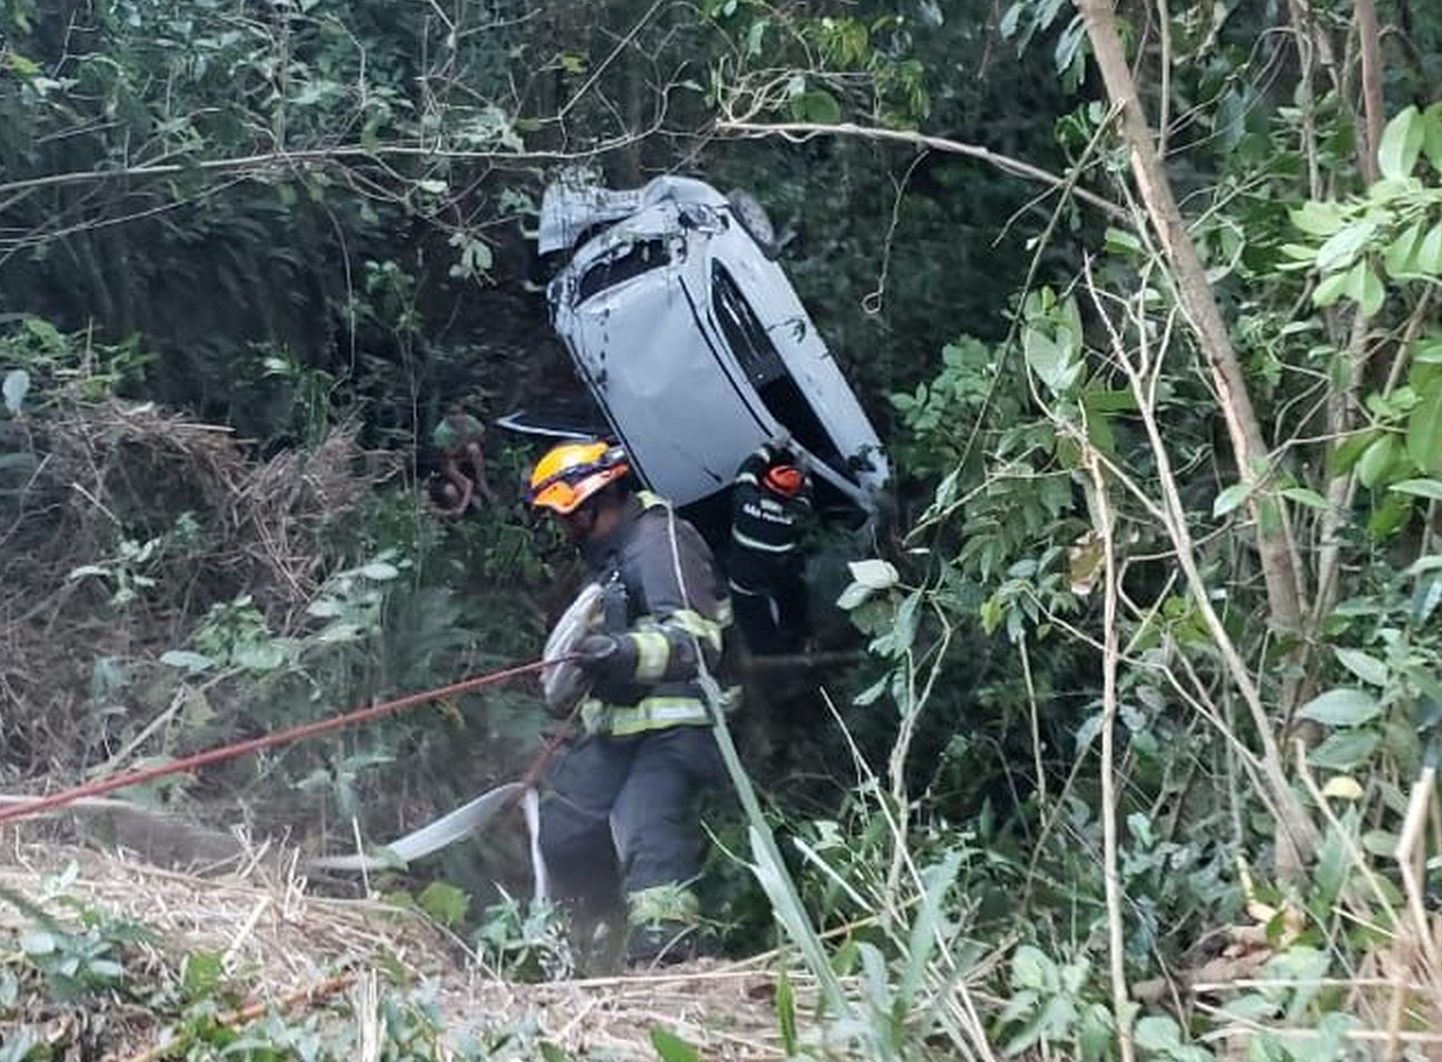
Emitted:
pixel 131 523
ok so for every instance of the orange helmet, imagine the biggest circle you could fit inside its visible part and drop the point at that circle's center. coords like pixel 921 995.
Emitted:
pixel 785 480
pixel 570 473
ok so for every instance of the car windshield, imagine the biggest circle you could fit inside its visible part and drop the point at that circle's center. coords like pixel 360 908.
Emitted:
pixel 627 261
pixel 765 368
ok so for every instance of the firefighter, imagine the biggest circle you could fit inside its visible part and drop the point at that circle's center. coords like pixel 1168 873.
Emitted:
pixel 770 502
pixel 629 786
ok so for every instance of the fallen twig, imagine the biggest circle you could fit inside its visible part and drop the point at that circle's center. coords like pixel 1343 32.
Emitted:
pixel 305 997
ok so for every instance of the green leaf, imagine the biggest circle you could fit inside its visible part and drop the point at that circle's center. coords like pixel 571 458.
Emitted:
pixel 1305 496
pixel 1432 135
pixel 1357 282
pixel 1158 1033
pixel 1428 351
pixel 38 943
pixel 1380 842
pixel 1051 358
pixel 1330 290
pixel 1401 254
pixel 201 974
pixel 1344 750
pixel 1419 488
pixel 1230 498
pixel 1318 218
pixel 1401 144
pixel 1377 459
pixel 105 969
pixel 1429 253
pixel 380 571
pixel 671 1048
pixel 1373 294
pixel 188 660
pixel 1096 1034
pixel 816 105
pixel 1032 968
pixel 1367 668
pixel 1123 241
pixel 15 387
pixel 875 574
pixel 1348 452
pixel 1342 707
pixel 444 902
pixel 923 941
pixel 1341 249
pixel 786 1014
pixel 1424 432
pixel 1388 517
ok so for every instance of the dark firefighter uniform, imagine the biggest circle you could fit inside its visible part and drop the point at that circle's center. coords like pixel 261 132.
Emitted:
pixel 630 786
pixel 770 502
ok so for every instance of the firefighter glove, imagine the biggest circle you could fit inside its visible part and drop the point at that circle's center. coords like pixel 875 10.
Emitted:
pixel 606 657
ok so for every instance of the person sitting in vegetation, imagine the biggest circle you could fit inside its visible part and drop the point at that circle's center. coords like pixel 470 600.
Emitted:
pixel 463 463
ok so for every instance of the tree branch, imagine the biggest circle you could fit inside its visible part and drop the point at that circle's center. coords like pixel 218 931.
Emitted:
pixel 1296 829
pixel 311 156
pixel 1371 45
pixel 1200 307
pixel 1116 947
pixel 799 131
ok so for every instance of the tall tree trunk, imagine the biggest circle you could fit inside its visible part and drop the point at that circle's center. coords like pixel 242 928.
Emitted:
pixel 1370 41
pixel 1284 595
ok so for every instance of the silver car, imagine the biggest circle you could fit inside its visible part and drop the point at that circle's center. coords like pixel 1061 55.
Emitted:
pixel 693 342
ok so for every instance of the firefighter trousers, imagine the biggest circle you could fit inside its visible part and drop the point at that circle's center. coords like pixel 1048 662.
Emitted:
pixel 620 816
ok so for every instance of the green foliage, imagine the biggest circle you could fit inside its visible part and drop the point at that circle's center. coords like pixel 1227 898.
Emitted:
pixel 81 957
pixel 523 941
pixel 378 273
pixel 671 1048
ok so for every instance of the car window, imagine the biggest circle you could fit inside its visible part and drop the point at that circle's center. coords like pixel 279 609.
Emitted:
pixel 764 367
pixel 745 334
pixel 637 257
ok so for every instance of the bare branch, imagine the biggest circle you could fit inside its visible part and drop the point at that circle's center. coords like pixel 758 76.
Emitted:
pixel 1371 46
pixel 1116 950
pixel 1200 306
pixel 271 160
pixel 799 131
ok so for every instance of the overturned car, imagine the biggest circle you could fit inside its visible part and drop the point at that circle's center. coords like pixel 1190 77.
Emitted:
pixel 693 344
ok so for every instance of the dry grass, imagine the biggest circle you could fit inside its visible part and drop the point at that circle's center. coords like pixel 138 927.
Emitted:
pixel 278 938
pixel 110 471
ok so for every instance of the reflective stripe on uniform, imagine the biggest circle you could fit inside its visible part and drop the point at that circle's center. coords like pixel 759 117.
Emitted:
pixel 653 653
pixel 654 713
pixel 697 625
pixel 657 713
pixel 765 547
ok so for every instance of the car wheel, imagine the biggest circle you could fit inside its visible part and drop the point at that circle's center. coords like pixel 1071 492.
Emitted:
pixel 752 217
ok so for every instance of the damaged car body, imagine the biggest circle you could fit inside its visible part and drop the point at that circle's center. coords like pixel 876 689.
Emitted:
pixel 693 343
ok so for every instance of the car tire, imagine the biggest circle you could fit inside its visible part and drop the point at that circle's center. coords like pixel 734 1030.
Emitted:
pixel 752 216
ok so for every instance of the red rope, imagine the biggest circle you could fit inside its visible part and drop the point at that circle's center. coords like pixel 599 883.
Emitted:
pixel 269 741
